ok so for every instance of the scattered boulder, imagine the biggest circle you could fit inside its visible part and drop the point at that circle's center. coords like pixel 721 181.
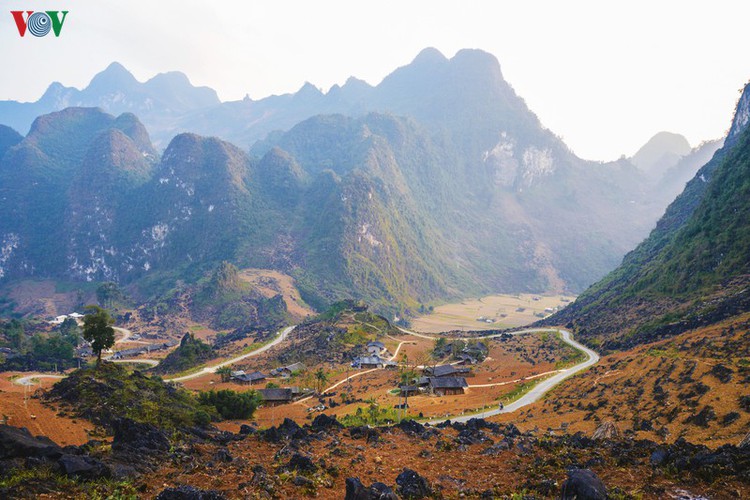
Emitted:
pixel 370 434
pixel 302 481
pixel 411 427
pixel 138 437
pixel 355 490
pixel 583 484
pixel 324 423
pixel 745 443
pixel 189 493
pixel 83 467
pixel 607 430
pixel 247 429
pixel 300 463
pixel 17 442
pixel 287 431
pixel 223 455
pixel 412 486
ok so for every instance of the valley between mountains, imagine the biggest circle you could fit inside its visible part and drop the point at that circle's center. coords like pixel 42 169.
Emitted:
pixel 407 290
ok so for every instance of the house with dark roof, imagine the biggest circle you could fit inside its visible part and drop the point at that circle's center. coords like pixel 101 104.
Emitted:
pixel 248 379
pixel 446 371
pixel 288 371
pixel 372 362
pixel 409 390
pixel 376 347
pixel 448 386
pixel 276 397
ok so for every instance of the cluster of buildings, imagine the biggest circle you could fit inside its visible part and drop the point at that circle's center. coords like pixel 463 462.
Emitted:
pixel 441 380
pixel 276 396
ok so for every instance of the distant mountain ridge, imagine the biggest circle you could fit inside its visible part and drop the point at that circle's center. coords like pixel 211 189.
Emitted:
pixel 452 188
pixel 694 268
pixel 164 97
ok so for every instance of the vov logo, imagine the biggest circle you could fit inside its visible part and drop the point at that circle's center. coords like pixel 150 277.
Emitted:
pixel 39 23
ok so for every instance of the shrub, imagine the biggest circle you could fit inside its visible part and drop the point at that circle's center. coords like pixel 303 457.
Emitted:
pixel 230 404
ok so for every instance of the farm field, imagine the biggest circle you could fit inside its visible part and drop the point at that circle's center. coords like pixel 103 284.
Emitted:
pixel 496 311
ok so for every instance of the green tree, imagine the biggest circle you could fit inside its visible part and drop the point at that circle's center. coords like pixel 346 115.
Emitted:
pixel 225 373
pixel 231 404
pixel 70 331
pixel 108 293
pixel 97 329
pixel 321 378
pixel 14 333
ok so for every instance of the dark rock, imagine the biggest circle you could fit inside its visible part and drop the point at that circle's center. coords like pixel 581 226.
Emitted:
pixel 138 437
pixel 745 443
pixel 189 493
pixel 511 431
pixel 411 427
pixel 123 472
pixel 368 433
pixel 658 457
pixel 302 481
pixel 223 455
pixel 607 430
pixel 288 430
pixel 246 429
pixel 299 463
pixel 355 490
pixel 83 467
pixel 17 442
pixel 498 448
pixel 324 423
pixel 412 486
pixel 583 484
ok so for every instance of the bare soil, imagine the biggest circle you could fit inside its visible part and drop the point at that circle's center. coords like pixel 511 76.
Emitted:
pixel 503 311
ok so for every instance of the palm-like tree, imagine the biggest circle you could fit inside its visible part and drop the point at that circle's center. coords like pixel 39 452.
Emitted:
pixel 321 378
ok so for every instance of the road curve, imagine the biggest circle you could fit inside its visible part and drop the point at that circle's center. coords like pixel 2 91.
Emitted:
pixel 540 389
pixel 27 380
pixel 212 369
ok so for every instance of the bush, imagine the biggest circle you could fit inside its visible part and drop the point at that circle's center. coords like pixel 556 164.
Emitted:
pixel 231 404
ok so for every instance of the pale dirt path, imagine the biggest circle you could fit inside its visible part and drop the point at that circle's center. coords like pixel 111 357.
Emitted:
pixel 212 369
pixel 28 379
pixel 205 371
pixel 543 387
pixel 354 375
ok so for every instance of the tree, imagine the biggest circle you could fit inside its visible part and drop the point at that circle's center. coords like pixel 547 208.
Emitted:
pixel 108 293
pixel 70 331
pixel 97 329
pixel 225 373
pixel 321 378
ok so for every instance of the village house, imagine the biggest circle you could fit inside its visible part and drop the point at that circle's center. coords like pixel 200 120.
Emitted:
pixel 372 362
pixel 276 397
pixel 243 378
pixel 376 348
pixel 448 386
pixel 409 390
pixel 288 371
pixel 446 371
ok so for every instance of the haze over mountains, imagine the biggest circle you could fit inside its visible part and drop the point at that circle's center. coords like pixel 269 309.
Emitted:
pixel 437 183
pixel 694 268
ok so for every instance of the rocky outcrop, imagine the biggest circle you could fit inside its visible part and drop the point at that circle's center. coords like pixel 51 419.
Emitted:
pixel 355 490
pixel 189 493
pixel 607 430
pixel 412 486
pixel 583 484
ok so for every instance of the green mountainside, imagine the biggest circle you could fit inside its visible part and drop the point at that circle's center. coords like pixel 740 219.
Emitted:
pixel 452 188
pixel 692 270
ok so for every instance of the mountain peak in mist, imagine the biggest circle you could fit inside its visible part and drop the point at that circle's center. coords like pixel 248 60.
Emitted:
pixel 663 150
pixel 115 76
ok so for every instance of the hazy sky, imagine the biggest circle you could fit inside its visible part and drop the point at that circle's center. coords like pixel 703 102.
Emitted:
pixel 604 75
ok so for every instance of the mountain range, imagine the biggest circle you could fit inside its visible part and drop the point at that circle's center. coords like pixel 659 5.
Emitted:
pixel 437 183
pixel 694 268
